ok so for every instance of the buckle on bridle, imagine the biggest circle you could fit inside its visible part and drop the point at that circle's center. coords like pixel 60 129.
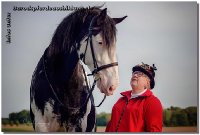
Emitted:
pixel 94 72
pixel 97 77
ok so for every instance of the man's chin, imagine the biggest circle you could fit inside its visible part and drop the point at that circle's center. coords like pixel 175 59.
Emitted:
pixel 134 84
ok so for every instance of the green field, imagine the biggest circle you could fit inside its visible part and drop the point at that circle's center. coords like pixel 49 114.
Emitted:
pixel 25 128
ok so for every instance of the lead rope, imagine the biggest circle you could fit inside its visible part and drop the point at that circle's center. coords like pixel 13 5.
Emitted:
pixel 121 116
pixel 50 84
pixel 92 89
pixel 61 104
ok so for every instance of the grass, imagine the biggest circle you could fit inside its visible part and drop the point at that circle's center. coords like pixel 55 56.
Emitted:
pixel 165 129
pixel 19 128
pixel 26 128
pixel 180 129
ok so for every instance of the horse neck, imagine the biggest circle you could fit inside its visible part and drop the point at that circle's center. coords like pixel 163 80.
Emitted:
pixel 74 96
pixel 75 87
pixel 61 67
pixel 66 74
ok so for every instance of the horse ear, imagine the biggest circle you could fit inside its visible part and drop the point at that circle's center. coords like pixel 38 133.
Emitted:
pixel 118 20
pixel 102 16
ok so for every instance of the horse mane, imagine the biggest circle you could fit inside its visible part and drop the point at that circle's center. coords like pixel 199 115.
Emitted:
pixel 75 26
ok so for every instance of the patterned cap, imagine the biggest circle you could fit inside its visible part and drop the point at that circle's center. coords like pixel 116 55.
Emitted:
pixel 147 70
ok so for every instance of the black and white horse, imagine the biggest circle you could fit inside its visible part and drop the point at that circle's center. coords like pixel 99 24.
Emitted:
pixel 60 96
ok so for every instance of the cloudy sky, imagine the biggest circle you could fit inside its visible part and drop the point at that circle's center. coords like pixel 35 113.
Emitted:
pixel 163 33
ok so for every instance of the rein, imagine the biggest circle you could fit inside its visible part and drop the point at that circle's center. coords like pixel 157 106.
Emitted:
pixel 88 97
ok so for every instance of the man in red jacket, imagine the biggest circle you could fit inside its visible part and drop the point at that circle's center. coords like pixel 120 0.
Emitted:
pixel 138 110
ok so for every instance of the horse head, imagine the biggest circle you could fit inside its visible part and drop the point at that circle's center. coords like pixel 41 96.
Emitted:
pixel 98 51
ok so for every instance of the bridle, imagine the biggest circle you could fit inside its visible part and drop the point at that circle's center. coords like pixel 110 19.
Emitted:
pixel 97 68
pixel 94 72
pixel 89 39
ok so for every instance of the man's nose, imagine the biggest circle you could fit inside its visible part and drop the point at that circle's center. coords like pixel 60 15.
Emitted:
pixel 134 75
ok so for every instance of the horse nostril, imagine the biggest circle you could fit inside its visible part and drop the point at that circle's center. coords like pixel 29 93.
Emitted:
pixel 112 88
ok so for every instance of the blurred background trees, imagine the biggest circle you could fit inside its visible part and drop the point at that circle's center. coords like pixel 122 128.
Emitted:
pixel 175 116
pixel 172 117
pixel 16 118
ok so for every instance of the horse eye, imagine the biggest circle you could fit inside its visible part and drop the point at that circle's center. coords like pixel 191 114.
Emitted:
pixel 100 43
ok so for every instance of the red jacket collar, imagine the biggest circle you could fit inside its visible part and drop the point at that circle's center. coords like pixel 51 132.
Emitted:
pixel 127 94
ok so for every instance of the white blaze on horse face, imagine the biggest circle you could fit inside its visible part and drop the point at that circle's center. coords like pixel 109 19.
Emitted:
pixel 109 77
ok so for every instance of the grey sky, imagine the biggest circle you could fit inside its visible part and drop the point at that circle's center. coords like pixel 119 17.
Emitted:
pixel 163 33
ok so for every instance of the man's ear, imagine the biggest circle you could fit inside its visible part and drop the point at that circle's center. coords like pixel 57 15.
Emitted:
pixel 148 83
